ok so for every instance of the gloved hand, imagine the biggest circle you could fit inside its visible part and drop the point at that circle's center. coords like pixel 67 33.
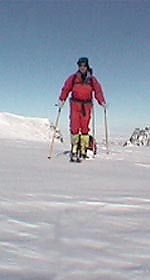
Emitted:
pixel 105 105
pixel 60 104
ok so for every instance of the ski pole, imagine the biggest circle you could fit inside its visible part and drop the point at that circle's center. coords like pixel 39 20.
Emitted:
pixel 51 145
pixel 106 130
pixel 93 130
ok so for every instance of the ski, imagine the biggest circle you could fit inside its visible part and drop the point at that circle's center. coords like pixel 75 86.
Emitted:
pixel 74 159
pixel 77 159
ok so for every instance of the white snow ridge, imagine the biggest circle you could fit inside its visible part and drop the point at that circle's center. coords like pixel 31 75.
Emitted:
pixel 19 127
pixel 24 128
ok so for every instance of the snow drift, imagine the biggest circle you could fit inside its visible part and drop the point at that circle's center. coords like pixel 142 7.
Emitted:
pixel 22 128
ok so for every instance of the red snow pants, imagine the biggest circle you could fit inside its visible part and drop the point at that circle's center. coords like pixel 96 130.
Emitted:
pixel 80 115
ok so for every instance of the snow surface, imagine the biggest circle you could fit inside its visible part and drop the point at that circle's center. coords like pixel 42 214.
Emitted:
pixel 71 221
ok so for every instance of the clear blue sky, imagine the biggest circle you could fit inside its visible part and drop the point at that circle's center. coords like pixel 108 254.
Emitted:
pixel 41 41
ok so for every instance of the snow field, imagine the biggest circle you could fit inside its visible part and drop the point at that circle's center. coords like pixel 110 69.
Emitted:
pixel 61 220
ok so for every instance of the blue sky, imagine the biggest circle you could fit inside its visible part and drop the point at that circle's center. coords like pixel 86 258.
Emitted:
pixel 41 42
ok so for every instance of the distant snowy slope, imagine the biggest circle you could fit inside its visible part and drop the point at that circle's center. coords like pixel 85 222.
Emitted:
pixel 19 127
pixel 36 129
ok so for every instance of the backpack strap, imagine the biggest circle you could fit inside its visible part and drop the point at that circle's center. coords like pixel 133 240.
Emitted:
pixel 73 79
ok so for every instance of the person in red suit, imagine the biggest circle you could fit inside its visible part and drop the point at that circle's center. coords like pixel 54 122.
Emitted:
pixel 82 85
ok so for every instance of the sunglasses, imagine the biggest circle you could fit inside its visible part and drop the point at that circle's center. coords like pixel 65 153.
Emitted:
pixel 82 65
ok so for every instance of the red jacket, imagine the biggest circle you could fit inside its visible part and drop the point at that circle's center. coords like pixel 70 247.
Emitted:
pixel 82 91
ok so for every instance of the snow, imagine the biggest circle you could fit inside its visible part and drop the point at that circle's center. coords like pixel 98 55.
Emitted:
pixel 18 127
pixel 69 221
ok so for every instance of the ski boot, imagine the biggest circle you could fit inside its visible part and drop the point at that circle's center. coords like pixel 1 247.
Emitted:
pixel 75 155
pixel 84 142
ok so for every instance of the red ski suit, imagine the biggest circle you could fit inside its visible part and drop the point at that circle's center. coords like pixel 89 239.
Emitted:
pixel 81 100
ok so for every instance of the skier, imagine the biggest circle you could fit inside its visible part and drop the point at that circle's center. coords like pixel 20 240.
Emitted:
pixel 81 85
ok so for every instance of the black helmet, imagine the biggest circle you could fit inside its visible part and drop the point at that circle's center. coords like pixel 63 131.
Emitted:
pixel 83 60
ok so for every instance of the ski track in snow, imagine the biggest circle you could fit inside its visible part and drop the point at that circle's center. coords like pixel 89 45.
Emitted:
pixel 67 221
pixel 143 165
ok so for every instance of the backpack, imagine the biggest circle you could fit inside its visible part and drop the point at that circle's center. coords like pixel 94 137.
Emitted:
pixel 92 144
